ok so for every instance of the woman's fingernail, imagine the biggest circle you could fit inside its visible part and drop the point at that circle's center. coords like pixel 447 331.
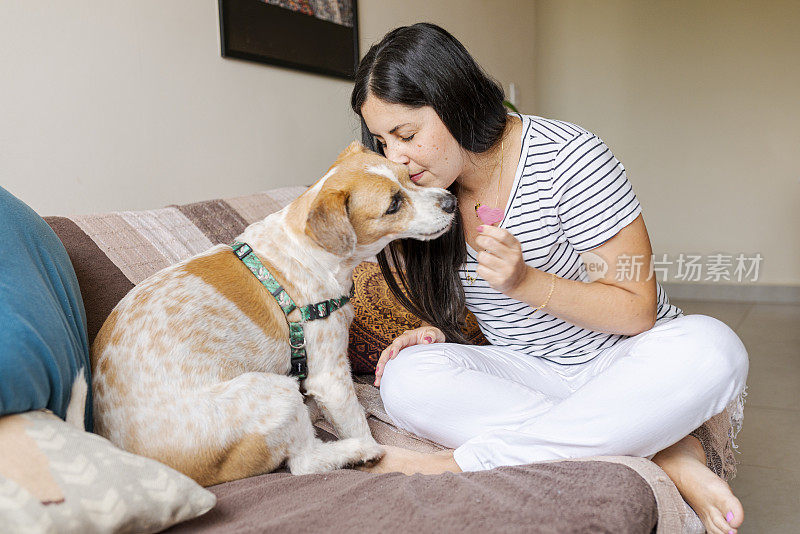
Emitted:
pixel 427 339
pixel 731 532
pixel 729 517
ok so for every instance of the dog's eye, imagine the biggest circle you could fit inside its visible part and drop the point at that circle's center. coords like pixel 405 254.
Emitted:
pixel 397 201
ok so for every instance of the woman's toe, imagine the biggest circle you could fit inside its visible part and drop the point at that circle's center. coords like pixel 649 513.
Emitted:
pixel 719 523
pixel 734 513
pixel 728 514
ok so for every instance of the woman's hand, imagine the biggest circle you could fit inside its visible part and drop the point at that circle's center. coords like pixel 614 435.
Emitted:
pixel 500 262
pixel 418 336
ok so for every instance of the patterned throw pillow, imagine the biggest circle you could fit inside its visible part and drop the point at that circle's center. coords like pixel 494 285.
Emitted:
pixel 379 319
pixel 57 478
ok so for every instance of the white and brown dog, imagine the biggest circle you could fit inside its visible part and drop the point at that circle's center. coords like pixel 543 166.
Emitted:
pixel 190 368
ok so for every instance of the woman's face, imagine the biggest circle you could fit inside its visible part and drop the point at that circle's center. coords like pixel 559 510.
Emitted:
pixel 416 138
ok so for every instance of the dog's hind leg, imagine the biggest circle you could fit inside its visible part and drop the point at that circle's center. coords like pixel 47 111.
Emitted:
pixel 244 427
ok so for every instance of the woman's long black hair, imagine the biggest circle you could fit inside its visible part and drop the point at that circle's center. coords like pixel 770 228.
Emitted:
pixel 423 65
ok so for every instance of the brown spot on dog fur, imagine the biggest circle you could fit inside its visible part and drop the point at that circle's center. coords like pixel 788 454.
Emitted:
pixel 109 334
pixel 234 281
pixel 367 211
pixel 363 203
pixel 328 223
pixel 250 456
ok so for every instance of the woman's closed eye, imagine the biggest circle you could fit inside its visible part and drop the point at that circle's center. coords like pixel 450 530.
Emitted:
pixel 383 145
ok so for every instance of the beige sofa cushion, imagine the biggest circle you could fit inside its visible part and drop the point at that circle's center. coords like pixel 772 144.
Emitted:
pixel 55 477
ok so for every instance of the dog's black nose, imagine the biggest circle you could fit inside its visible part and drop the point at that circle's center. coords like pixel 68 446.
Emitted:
pixel 448 203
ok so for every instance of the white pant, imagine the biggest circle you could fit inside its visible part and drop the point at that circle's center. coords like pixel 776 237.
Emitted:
pixel 496 406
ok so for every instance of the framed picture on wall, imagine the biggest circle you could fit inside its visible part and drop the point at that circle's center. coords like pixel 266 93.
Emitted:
pixel 319 36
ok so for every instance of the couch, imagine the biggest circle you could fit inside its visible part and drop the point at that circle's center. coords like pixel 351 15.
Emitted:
pixel 112 252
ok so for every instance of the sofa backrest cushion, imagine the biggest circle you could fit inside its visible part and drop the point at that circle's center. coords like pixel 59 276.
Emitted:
pixel 43 341
pixel 114 251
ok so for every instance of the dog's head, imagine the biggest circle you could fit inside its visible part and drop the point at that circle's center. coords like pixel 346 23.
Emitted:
pixel 365 201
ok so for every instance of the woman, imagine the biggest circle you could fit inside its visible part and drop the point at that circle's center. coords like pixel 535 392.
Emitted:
pixel 581 362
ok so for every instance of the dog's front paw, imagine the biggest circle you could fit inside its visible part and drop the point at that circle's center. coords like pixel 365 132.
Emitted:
pixel 369 453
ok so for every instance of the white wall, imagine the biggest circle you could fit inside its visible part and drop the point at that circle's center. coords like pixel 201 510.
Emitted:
pixel 112 104
pixel 701 103
pixel 119 104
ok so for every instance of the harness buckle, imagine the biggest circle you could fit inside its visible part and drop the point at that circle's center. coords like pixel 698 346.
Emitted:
pixel 300 369
pixel 319 311
pixel 242 250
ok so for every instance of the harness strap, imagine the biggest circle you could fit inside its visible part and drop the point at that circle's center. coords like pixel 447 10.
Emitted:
pixel 310 312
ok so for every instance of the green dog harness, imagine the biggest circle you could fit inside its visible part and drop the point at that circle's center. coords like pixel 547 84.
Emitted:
pixel 321 310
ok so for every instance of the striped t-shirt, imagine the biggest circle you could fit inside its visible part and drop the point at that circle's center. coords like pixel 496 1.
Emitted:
pixel 570 195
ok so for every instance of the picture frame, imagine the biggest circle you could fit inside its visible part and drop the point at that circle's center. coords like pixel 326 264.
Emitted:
pixel 265 32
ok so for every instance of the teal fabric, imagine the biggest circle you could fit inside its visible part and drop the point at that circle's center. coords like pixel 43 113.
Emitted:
pixel 43 339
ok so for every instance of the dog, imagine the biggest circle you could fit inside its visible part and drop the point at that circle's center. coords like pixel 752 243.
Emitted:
pixel 190 368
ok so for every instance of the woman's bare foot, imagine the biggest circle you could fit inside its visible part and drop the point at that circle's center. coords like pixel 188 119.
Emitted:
pixel 410 462
pixel 708 495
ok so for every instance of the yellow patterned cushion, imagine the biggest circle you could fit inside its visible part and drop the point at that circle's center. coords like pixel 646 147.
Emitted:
pixel 380 319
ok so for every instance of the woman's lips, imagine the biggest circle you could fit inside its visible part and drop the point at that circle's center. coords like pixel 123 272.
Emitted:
pixel 415 177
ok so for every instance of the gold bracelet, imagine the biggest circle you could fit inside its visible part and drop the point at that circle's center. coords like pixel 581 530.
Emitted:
pixel 552 287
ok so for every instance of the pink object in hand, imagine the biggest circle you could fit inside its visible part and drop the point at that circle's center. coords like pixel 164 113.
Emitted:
pixel 490 215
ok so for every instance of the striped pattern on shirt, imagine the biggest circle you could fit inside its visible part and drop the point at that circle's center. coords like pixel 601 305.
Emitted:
pixel 570 195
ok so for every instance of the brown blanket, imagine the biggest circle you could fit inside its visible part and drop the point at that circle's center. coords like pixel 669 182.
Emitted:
pixel 111 252
pixel 557 497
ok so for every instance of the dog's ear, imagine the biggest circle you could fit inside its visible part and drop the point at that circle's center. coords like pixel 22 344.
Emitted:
pixel 328 223
pixel 354 148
